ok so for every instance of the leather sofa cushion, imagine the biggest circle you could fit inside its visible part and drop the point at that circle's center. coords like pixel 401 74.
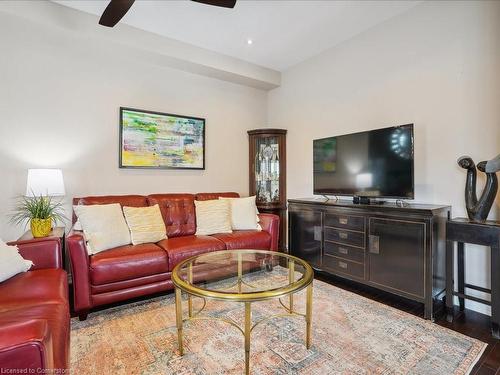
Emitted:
pixel 126 263
pixel 177 211
pixel 34 288
pixel 133 292
pixel 180 248
pixel 127 284
pixel 57 317
pixel 26 343
pixel 245 239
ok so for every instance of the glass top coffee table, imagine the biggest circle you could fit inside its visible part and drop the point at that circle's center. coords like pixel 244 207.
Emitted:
pixel 244 276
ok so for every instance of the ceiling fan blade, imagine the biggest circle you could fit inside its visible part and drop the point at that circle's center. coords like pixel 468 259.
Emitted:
pixel 218 3
pixel 114 12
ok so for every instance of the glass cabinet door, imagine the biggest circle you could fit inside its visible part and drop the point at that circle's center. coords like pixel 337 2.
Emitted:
pixel 267 170
pixel 267 173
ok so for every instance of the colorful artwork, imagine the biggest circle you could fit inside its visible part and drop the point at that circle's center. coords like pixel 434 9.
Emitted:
pixel 161 140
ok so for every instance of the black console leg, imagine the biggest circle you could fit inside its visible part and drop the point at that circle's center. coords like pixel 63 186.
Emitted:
pixel 495 290
pixel 428 311
pixel 461 273
pixel 495 330
pixel 449 316
pixel 449 281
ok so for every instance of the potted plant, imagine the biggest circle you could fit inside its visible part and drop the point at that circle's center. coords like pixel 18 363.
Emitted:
pixel 40 212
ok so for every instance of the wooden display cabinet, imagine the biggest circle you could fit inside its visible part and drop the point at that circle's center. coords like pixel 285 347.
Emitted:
pixel 268 174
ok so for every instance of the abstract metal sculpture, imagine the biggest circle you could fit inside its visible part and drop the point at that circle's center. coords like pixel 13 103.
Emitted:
pixel 478 210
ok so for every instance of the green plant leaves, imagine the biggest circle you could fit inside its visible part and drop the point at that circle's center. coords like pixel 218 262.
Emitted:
pixel 41 207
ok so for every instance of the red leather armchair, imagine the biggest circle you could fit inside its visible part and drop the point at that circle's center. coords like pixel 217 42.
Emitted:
pixel 34 312
pixel 131 271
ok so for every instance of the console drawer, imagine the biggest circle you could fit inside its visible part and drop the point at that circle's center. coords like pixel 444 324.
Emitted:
pixel 345 221
pixel 344 251
pixel 344 266
pixel 345 237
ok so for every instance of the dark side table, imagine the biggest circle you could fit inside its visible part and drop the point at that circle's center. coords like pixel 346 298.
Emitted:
pixel 462 231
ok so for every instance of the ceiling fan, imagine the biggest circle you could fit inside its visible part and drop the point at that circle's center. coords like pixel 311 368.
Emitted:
pixel 116 9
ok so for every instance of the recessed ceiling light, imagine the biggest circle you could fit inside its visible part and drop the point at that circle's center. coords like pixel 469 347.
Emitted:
pixel 249 41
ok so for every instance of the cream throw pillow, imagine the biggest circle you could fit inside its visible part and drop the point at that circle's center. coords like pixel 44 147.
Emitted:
pixel 103 225
pixel 145 224
pixel 11 262
pixel 243 213
pixel 213 216
pixel 77 225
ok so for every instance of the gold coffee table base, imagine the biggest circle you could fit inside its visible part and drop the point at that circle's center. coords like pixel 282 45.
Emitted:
pixel 246 298
pixel 289 289
pixel 248 328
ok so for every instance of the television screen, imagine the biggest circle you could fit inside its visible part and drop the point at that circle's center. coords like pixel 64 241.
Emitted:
pixel 376 163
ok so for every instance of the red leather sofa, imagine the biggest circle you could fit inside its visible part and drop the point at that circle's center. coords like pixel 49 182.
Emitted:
pixel 34 313
pixel 131 271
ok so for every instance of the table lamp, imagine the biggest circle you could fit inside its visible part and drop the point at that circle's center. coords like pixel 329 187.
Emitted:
pixel 37 205
pixel 45 182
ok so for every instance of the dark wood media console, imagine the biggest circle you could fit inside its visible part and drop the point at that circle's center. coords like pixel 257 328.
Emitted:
pixel 399 249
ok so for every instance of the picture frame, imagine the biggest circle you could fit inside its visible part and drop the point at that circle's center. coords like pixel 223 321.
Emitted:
pixel 158 140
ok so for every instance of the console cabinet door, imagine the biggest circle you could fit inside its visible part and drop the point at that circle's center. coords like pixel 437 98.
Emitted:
pixel 396 251
pixel 305 234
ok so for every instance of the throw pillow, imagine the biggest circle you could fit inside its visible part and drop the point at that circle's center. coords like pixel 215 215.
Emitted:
pixel 213 216
pixel 145 224
pixel 243 215
pixel 103 225
pixel 11 262
pixel 77 225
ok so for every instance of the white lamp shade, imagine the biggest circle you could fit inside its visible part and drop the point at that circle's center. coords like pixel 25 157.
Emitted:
pixel 45 182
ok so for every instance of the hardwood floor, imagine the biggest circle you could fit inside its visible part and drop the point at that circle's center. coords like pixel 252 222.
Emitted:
pixel 468 322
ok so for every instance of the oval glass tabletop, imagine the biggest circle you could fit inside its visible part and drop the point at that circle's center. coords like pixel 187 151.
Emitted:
pixel 242 275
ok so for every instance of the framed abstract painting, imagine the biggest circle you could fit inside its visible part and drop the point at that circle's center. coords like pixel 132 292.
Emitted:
pixel 161 140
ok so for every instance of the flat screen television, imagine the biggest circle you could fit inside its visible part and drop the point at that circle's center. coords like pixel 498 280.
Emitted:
pixel 375 163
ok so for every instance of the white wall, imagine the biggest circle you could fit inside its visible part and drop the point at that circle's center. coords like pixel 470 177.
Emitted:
pixel 60 93
pixel 437 66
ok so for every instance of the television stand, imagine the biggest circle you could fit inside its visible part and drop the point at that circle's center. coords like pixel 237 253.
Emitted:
pixel 398 249
pixel 366 200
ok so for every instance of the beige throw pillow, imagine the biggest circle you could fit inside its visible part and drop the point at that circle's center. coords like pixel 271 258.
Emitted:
pixel 243 215
pixel 145 224
pixel 213 216
pixel 11 262
pixel 103 225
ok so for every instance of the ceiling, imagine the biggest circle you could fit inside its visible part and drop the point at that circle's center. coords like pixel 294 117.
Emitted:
pixel 283 33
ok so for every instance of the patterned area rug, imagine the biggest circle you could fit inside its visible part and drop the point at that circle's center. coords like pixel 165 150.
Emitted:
pixel 351 335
